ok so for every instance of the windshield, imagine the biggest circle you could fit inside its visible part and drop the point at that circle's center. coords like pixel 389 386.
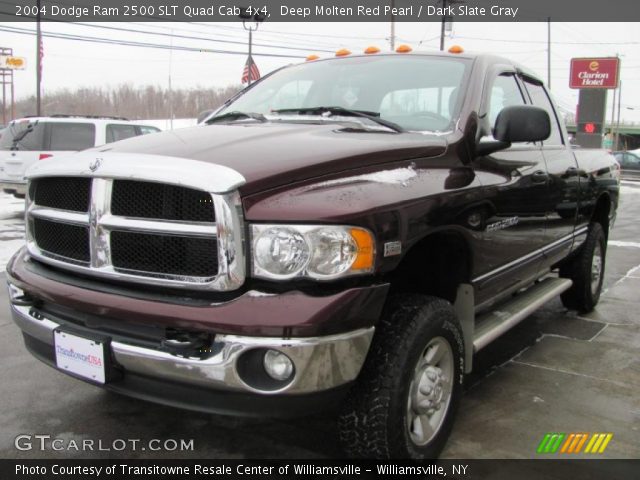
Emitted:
pixel 415 92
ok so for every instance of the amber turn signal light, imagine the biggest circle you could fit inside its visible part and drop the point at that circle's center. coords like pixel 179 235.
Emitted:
pixel 366 249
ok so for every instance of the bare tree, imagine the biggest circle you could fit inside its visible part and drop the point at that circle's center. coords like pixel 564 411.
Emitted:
pixel 135 103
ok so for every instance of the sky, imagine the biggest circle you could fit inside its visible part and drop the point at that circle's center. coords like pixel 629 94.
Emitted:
pixel 187 61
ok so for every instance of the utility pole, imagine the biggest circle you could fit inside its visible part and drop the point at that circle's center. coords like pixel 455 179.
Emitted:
pixel 617 140
pixel 613 111
pixel 392 38
pixel 38 61
pixel 442 27
pixel 170 87
pixel 446 4
pixel 613 114
pixel 549 53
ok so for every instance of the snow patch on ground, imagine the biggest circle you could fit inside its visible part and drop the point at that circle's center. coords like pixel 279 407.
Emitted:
pixel 10 207
pixel 7 249
pixel 619 243
pixel 165 123
pixel 627 190
pixel 11 227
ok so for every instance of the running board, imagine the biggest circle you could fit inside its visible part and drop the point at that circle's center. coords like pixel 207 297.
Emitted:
pixel 508 314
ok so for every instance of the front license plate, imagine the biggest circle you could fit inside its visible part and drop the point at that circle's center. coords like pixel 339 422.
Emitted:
pixel 81 356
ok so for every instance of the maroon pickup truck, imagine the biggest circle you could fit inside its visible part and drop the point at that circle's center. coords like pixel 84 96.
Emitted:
pixel 343 233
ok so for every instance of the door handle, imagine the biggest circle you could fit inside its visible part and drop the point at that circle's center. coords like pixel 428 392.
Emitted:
pixel 539 177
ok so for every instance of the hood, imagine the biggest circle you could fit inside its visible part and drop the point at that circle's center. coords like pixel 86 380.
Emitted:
pixel 269 155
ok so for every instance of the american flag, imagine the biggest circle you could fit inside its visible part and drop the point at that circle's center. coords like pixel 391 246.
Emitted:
pixel 40 54
pixel 250 72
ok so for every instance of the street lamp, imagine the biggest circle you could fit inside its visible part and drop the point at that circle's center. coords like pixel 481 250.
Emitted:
pixel 249 16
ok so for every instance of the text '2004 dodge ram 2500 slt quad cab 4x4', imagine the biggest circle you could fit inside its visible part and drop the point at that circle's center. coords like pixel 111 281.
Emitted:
pixel 345 232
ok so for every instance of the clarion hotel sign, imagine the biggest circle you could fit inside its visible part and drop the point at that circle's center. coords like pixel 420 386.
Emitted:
pixel 594 72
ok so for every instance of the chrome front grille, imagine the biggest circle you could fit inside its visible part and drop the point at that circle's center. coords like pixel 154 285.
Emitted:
pixel 142 231
pixel 66 193
pixel 161 201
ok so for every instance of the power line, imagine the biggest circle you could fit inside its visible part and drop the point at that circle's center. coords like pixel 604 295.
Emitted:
pixel 503 40
pixel 122 29
pixel 130 43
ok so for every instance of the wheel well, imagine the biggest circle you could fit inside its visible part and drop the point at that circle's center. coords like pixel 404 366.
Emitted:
pixel 601 212
pixel 436 265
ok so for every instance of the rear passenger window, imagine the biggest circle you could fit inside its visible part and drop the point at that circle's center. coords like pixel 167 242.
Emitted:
pixel 540 99
pixel 120 132
pixel 71 136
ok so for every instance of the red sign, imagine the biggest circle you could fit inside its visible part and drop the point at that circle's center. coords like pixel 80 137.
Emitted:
pixel 594 72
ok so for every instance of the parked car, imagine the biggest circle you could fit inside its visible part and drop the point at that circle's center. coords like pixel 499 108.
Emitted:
pixel 629 164
pixel 27 140
pixel 344 233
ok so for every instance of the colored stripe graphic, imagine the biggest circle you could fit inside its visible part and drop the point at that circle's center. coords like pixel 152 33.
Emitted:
pixel 573 443
pixel 551 442
pixel 581 443
pixel 543 443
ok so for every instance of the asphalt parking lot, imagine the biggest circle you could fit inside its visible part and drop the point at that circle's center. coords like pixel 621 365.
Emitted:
pixel 555 372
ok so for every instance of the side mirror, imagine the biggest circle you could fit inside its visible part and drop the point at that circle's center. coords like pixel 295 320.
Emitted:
pixel 522 123
pixel 517 123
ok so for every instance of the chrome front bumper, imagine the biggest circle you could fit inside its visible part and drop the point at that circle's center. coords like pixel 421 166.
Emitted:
pixel 321 363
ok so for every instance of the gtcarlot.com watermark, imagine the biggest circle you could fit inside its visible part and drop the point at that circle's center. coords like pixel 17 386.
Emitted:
pixel 43 443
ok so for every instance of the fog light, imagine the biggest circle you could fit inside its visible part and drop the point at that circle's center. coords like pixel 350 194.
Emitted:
pixel 277 365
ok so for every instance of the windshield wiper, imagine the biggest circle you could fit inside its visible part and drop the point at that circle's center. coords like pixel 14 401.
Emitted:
pixel 233 116
pixel 373 116
pixel 18 138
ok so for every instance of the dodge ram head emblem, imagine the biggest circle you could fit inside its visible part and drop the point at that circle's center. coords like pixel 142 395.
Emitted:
pixel 95 164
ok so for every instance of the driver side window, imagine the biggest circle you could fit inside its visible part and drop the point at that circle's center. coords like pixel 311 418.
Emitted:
pixel 505 92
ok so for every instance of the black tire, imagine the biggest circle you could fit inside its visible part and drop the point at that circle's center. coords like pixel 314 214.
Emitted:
pixel 375 420
pixel 585 292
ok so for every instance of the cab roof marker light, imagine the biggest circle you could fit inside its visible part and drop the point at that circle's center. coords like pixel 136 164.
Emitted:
pixel 371 50
pixel 404 48
pixel 456 49
pixel 343 52
pixel 312 57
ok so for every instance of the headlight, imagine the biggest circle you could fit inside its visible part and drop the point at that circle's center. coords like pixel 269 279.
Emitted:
pixel 320 252
pixel 281 251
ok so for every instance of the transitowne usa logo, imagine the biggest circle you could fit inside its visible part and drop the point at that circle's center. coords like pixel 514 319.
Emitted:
pixel 573 443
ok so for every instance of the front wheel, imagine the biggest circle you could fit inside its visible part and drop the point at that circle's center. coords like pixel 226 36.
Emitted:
pixel 586 270
pixel 406 397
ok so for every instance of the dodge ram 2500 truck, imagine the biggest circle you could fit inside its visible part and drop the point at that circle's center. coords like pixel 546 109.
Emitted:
pixel 344 233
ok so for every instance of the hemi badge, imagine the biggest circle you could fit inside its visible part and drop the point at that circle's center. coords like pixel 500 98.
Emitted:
pixel 392 248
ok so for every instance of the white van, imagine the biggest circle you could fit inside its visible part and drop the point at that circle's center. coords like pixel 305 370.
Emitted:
pixel 27 140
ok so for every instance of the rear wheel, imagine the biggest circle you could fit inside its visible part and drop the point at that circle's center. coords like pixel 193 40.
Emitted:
pixel 406 397
pixel 586 270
